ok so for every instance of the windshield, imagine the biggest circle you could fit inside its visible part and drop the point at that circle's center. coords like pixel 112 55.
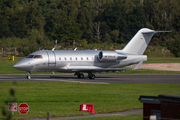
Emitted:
pixel 30 56
pixel 34 56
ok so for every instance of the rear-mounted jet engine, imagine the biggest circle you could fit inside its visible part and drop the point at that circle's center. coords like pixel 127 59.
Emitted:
pixel 107 56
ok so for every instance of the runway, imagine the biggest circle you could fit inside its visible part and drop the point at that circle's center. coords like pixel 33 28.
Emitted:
pixel 100 78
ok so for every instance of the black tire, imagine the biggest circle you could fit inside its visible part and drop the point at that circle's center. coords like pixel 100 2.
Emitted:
pixel 92 76
pixel 81 76
pixel 29 77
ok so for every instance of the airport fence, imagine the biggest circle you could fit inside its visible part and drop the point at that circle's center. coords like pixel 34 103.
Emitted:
pixel 11 51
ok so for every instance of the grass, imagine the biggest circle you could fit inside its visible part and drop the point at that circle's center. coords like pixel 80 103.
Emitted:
pixel 7 67
pixel 64 99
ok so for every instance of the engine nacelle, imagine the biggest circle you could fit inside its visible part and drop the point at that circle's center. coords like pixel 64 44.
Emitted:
pixel 106 56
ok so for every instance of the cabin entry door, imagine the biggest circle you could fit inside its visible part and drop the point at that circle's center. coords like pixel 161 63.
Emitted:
pixel 51 58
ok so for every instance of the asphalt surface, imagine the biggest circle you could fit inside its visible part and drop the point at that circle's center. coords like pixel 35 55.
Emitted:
pixel 136 111
pixel 100 78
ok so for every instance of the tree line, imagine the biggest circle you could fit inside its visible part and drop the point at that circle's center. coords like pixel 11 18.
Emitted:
pixel 30 24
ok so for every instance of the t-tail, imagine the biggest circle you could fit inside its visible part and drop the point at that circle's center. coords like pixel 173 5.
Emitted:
pixel 140 41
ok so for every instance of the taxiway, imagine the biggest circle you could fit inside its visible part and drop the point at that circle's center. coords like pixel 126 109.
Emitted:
pixel 100 78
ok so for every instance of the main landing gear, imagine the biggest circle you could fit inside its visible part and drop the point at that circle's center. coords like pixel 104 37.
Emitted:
pixel 28 75
pixel 91 75
pixel 81 75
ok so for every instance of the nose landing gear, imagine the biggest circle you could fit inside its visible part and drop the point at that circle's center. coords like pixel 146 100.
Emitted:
pixel 28 75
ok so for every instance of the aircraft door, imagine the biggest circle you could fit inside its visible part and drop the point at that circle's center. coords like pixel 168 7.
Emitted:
pixel 51 58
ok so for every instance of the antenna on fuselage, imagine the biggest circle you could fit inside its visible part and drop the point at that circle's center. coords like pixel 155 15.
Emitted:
pixel 75 49
pixel 55 45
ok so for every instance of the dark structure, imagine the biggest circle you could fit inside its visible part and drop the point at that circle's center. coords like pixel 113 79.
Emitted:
pixel 165 107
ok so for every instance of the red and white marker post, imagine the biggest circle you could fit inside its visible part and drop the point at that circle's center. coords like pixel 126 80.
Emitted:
pixel 12 107
pixel 23 108
pixel 87 108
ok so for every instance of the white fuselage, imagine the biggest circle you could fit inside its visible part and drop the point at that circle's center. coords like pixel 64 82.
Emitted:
pixel 70 60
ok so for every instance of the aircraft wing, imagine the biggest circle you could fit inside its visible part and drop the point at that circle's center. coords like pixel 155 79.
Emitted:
pixel 94 69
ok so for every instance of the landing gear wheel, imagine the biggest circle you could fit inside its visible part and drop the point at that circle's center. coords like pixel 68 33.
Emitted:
pixel 28 75
pixel 81 76
pixel 92 76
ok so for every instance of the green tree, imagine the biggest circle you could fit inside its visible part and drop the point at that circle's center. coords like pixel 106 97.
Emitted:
pixel 67 31
pixel 85 18
pixel 106 38
pixel 70 6
pixel 34 18
pixel 127 21
pixel 4 28
pixel 1 4
pixel 173 44
pixel 47 6
pixel 114 35
pixel 10 4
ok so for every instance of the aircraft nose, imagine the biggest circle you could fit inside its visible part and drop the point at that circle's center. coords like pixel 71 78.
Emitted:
pixel 16 66
pixel 23 65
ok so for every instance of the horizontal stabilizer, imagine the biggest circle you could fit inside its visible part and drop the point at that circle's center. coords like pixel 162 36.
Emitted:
pixel 151 32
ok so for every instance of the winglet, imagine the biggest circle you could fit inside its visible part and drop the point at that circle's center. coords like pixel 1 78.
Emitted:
pixel 138 66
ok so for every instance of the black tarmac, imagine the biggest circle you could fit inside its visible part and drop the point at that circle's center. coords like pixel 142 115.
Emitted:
pixel 100 78
pixel 136 111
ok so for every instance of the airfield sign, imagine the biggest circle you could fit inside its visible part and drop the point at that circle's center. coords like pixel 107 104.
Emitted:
pixel 23 108
pixel 12 106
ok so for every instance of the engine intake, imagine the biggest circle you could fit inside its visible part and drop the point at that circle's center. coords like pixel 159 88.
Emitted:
pixel 110 56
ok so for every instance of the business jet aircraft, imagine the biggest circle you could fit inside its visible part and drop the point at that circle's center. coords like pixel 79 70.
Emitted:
pixel 89 61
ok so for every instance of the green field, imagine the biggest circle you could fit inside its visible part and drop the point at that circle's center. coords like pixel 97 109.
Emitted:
pixel 64 99
pixel 7 67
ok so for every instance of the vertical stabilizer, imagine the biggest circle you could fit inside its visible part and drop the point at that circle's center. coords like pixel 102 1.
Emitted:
pixel 140 41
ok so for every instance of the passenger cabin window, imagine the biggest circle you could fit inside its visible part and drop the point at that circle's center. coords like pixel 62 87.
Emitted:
pixel 87 58
pixel 65 58
pixel 76 58
pixel 59 58
pixel 81 58
pixel 70 58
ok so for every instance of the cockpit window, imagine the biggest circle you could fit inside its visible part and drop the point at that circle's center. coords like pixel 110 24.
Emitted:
pixel 34 56
pixel 38 56
pixel 30 56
